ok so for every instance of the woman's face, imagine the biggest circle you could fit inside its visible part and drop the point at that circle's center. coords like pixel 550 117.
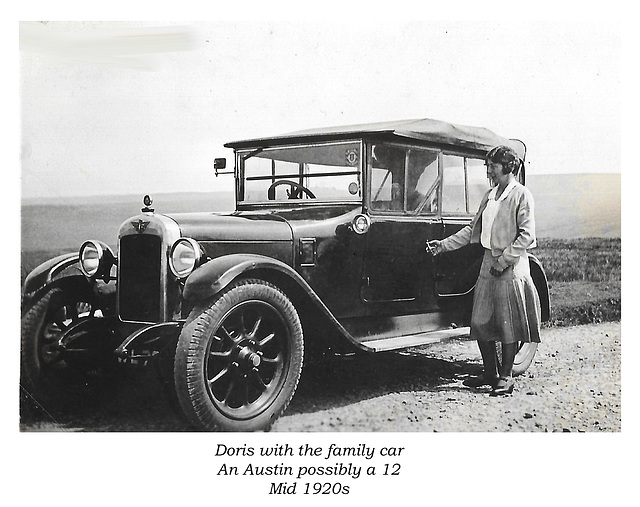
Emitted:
pixel 495 174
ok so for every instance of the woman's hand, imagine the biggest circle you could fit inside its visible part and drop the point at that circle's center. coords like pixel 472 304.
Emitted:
pixel 496 269
pixel 434 247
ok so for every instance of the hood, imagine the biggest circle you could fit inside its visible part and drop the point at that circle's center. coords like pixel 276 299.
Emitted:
pixel 271 225
pixel 232 227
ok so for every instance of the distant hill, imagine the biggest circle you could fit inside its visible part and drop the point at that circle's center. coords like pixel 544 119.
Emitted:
pixel 577 205
pixel 63 224
pixel 567 206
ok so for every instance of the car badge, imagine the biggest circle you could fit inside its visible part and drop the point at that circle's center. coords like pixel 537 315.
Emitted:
pixel 140 226
pixel 351 157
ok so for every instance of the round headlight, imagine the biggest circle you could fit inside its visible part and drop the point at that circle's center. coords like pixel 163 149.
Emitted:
pixel 186 255
pixel 96 259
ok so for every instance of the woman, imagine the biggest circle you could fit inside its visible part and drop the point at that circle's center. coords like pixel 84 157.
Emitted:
pixel 506 306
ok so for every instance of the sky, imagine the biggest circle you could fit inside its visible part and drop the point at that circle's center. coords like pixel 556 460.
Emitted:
pixel 149 115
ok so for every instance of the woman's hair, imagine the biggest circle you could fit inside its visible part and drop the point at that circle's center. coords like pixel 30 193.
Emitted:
pixel 505 156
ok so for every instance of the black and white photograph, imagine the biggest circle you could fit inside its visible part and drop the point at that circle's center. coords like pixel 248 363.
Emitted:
pixel 310 247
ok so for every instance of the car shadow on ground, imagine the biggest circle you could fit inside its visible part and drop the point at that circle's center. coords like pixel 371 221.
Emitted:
pixel 136 400
pixel 338 382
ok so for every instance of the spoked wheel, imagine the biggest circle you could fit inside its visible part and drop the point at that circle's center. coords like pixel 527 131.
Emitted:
pixel 239 359
pixel 524 356
pixel 46 368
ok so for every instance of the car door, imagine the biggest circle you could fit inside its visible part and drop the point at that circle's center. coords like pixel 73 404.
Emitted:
pixel 398 274
pixel 464 183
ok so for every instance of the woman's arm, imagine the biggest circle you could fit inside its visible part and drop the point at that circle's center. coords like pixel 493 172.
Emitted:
pixel 457 240
pixel 460 238
pixel 463 236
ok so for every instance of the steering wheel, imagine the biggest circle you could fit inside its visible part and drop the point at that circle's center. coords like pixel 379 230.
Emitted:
pixel 295 193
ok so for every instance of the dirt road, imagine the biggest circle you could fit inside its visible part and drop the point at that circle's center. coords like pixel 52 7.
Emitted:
pixel 573 385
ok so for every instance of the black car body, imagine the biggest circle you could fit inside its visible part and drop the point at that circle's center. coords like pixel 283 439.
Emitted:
pixel 325 252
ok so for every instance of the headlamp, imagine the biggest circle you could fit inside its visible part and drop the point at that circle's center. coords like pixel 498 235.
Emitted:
pixel 96 259
pixel 186 255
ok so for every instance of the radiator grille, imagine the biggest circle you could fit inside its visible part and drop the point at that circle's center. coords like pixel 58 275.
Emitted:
pixel 139 273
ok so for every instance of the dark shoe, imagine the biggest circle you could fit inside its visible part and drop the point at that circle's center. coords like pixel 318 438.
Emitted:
pixel 480 380
pixel 502 387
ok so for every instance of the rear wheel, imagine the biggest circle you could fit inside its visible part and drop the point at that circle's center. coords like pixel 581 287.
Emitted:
pixel 526 351
pixel 239 358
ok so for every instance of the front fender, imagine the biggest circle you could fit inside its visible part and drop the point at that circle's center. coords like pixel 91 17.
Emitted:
pixel 215 275
pixel 47 271
pixel 211 278
pixel 62 266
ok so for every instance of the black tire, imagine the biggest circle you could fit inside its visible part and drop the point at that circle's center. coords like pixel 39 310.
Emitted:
pixel 239 358
pixel 45 371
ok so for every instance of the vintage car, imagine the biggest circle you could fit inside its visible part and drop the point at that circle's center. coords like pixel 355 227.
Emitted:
pixel 324 253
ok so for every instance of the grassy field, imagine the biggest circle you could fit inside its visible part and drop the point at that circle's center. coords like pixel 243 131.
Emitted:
pixel 584 278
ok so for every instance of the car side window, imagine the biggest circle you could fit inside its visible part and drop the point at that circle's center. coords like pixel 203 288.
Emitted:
pixel 465 183
pixel 387 164
pixel 381 186
pixel 422 181
pixel 453 189
pixel 477 182
pixel 404 179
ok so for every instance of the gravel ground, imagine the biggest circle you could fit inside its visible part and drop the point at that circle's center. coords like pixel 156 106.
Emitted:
pixel 573 386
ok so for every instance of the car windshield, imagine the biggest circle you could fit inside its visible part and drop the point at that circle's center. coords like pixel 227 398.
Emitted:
pixel 319 172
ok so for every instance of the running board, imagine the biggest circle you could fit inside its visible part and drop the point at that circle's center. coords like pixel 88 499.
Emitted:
pixel 403 342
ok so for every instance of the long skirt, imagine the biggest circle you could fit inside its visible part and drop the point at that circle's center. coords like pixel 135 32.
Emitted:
pixel 505 308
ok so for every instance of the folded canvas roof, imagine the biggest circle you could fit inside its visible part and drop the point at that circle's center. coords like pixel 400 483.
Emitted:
pixel 426 129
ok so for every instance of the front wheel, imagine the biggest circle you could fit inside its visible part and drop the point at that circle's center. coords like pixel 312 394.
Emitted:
pixel 239 358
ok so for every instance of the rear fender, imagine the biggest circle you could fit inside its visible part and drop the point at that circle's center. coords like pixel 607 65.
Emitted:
pixel 540 281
